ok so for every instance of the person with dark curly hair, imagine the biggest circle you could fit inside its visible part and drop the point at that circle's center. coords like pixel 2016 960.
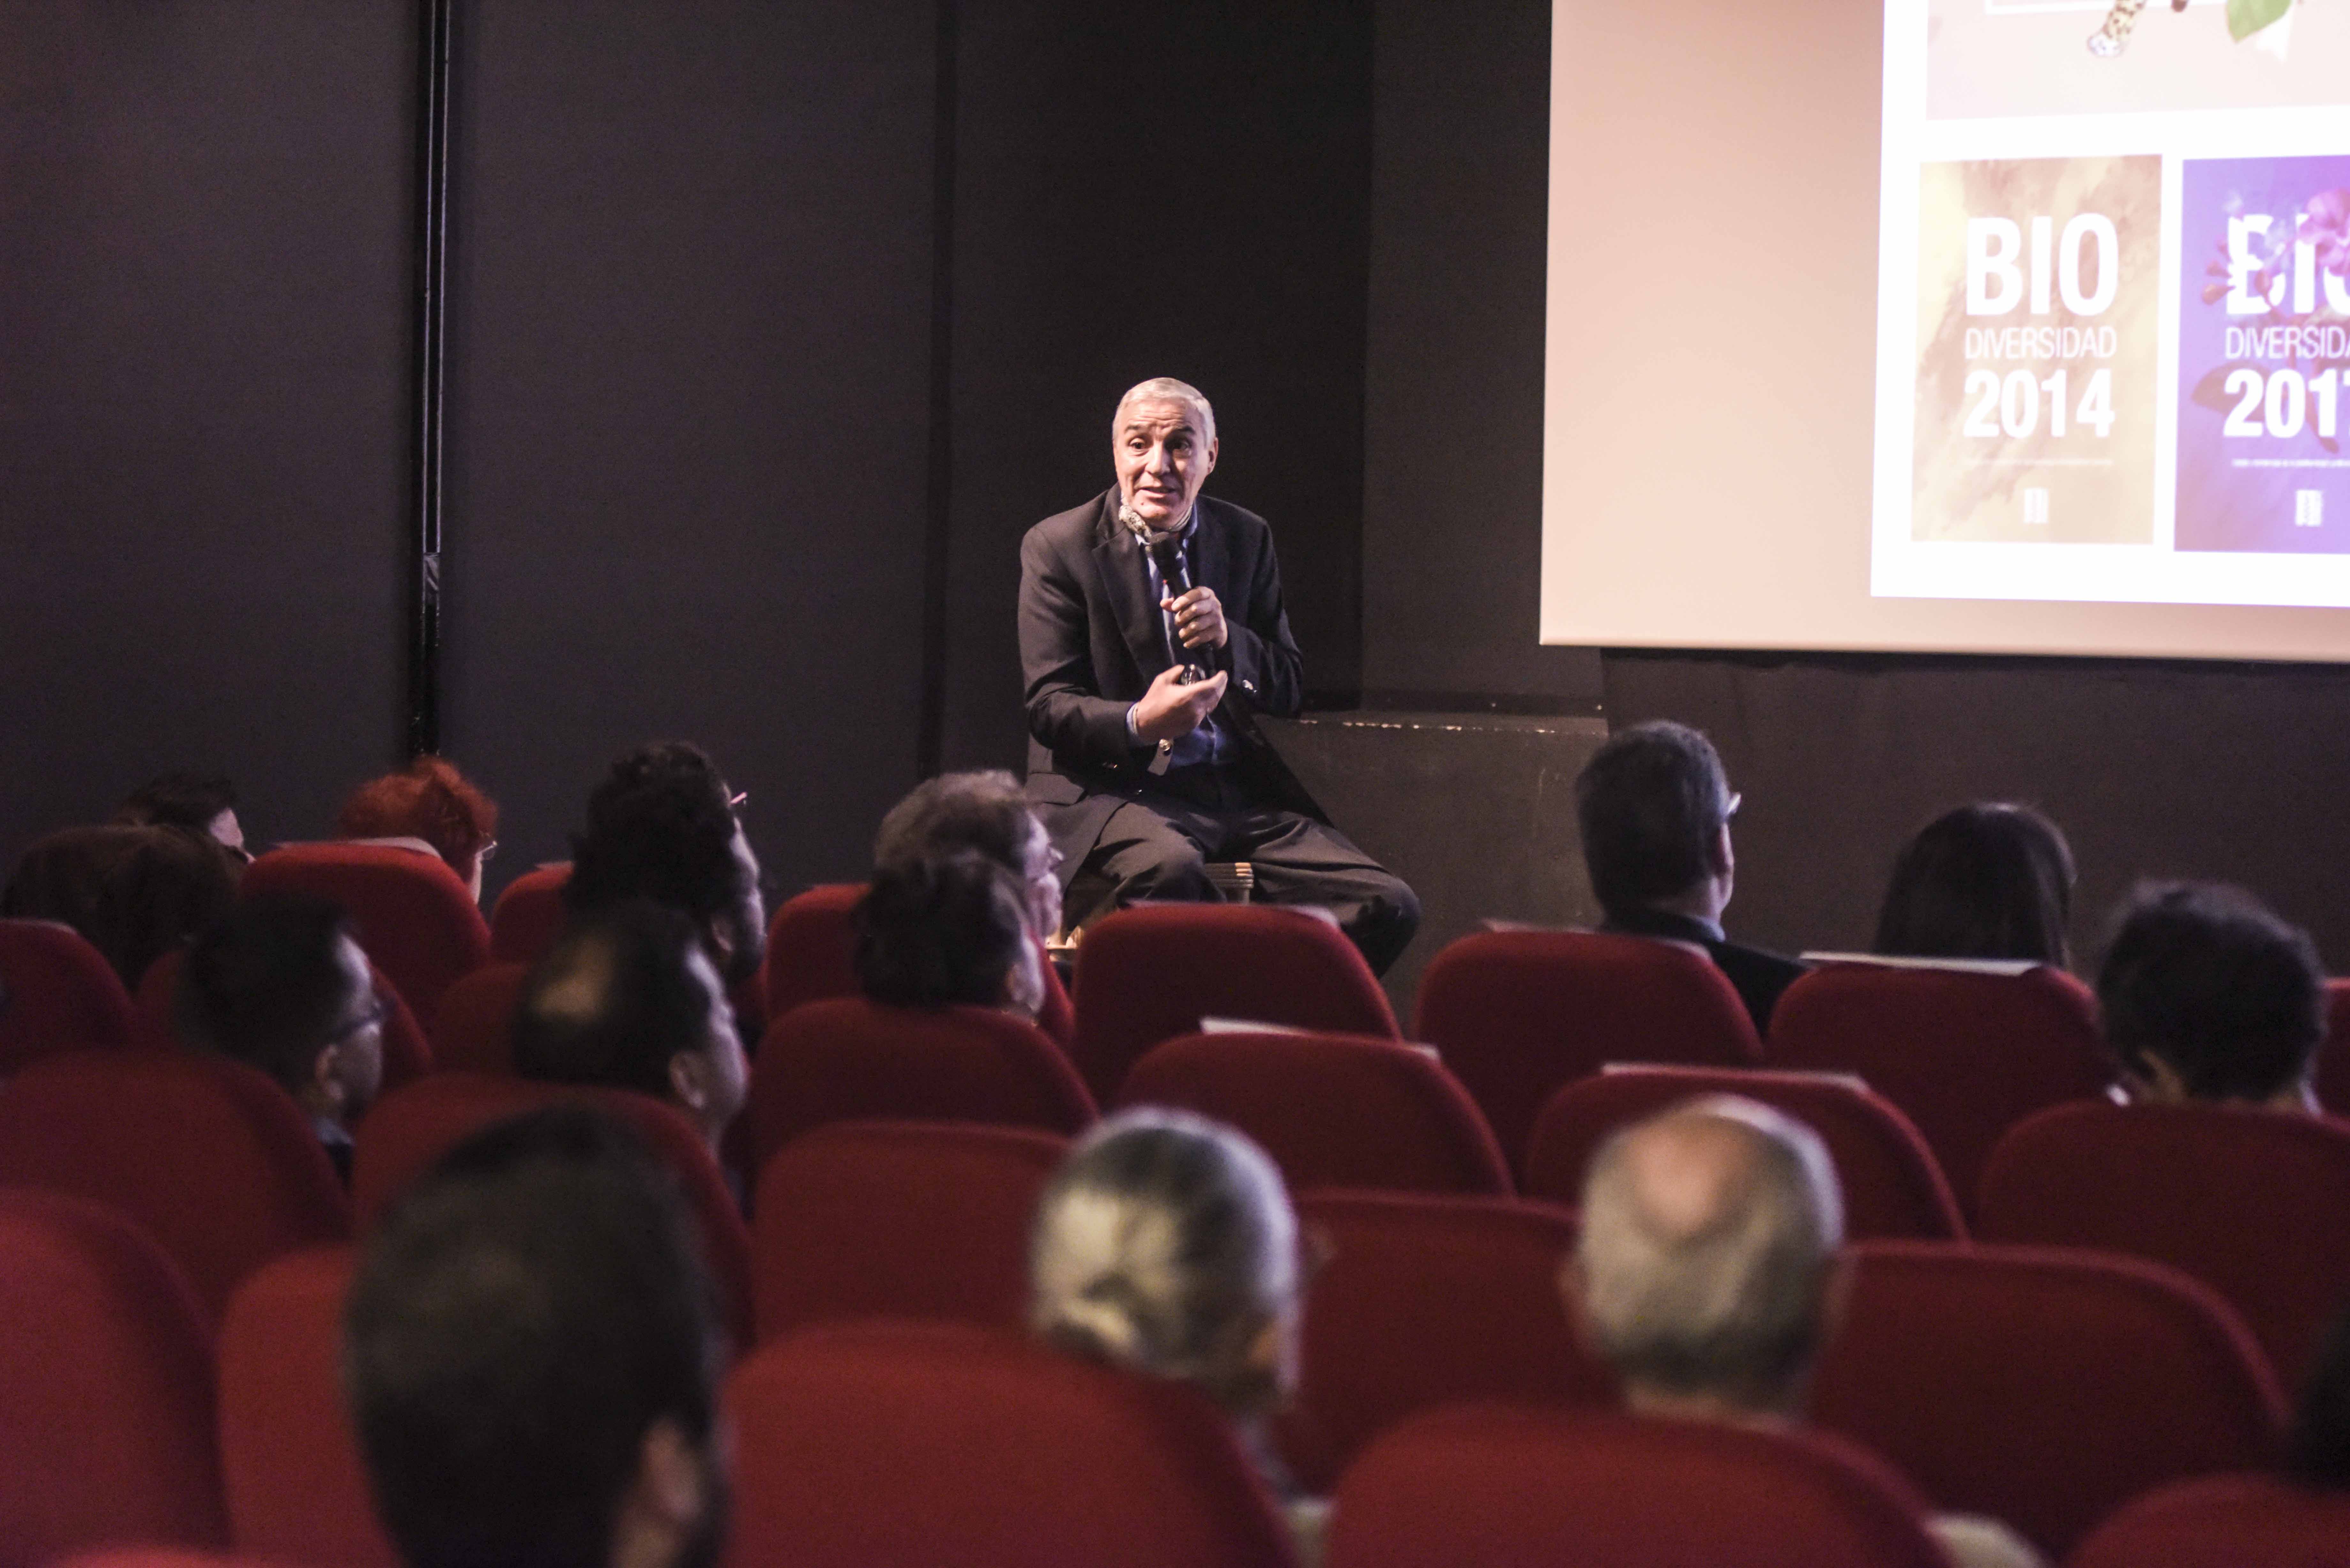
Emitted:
pixel 661 826
pixel 947 931
pixel 133 893
pixel 202 803
pixel 2206 995
pixel 429 800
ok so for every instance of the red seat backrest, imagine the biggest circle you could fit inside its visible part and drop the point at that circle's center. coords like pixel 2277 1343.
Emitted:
pixel 161 1557
pixel 297 1490
pixel 811 941
pixel 213 1158
pixel 1333 1110
pixel 106 1406
pixel 1966 1056
pixel 1519 1013
pixel 57 993
pixel 2042 1386
pixel 870 1443
pixel 474 1033
pixel 2334 1057
pixel 1151 973
pixel 407 1132
pixel 1892 1188
pixel 1489 1486
pixel 2249 1201
pixel 529 915
pixel 848 1059
pixel 414 917
pixel 406 1056
pixel 898 1219
pixel 2224 1521
pixel 1426 1300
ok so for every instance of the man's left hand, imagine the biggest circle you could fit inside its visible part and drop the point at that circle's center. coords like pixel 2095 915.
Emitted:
pixel 1198 618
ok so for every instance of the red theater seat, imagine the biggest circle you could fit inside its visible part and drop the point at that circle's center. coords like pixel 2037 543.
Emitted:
pixel 898 1219
pixel 2224 1521
pixel 2042 1386
pixel 406 1056
pixel 811 941
pixel 297 1492
pixel 414 917
pixel 55 994
pixel 934 1443
pixel 1333 1110
pixel 105 1402
pixel 1517 1015
pixel 1152 972
pixel 407 1132
pixel 2334 1057
pixel 1429 1301
pixel 1499 1488
pixel 529 915
pixel 474 1033
pixel 2250 1201
pixel 1892 1188
pixel 1966 1056
pixel 213 1158
pixel 163 1557
pixel 852 1060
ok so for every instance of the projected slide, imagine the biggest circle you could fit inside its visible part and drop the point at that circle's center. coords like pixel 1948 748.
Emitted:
pixel 2114 302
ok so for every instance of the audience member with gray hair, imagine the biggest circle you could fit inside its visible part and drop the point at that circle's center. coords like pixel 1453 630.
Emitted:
pixel 1707 1274
pixel 1166 1243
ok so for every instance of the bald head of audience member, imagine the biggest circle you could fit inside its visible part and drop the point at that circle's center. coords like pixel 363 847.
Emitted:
pixel 1706 1271
pixel 628 999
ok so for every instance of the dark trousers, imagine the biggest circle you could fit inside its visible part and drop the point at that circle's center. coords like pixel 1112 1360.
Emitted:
pixel 1158 844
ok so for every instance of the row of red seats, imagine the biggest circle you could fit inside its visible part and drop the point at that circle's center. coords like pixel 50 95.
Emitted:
pixel 2194 1188
pixel 2044 1386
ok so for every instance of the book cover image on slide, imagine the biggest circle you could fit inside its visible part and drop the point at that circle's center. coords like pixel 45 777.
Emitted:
pixel 2263 356
pixel 2039 292
pixel 1991 58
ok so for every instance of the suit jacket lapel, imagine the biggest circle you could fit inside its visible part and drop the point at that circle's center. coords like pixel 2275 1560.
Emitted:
pixel 1127 583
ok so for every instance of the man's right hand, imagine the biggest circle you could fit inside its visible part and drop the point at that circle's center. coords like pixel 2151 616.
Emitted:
pixel 1170 710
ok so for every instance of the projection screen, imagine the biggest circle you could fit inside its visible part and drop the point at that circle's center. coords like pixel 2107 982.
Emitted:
pixel 1978 325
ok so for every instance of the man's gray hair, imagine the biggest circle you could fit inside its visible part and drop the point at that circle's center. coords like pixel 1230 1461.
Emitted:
pixel 1167 388
pixel 1727 1297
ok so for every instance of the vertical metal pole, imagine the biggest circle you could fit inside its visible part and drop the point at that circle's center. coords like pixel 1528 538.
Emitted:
pixel 435 19
pixel 930 745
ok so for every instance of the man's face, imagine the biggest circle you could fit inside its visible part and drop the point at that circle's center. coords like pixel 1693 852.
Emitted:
pixel 747 941
pixel 358 1040
pixel 729 1074
pixel 1040 868
pixel 1163 455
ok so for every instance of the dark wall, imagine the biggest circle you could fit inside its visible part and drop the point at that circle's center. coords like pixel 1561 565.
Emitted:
pixel 1453 421
pixel 1174 189
pixel 203 307
pixel 689 405
pixel 2171 769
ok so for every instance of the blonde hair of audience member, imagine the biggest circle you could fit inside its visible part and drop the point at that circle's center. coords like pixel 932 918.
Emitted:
pixel 1707 1275
pixel 1706 1271
pixel 1166 1243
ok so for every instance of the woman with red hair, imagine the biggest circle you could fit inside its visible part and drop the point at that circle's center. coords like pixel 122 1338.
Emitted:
pixel 429 801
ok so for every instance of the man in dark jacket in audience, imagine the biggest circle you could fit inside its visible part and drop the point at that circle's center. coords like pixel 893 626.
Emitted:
pixel 532 1354
pixel 279 983
pixel 1655 809
pixel 1706 1274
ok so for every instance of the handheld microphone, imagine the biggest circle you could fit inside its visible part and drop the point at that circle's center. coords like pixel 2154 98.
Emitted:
pixel 1167 553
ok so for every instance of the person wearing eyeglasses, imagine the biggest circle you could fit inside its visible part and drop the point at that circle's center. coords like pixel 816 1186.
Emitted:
pixel 280 984
pixel 1655 807
pixel 434 804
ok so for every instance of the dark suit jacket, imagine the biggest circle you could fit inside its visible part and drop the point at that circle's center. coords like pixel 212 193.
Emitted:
pixel 1092 638
pixel 1756 975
